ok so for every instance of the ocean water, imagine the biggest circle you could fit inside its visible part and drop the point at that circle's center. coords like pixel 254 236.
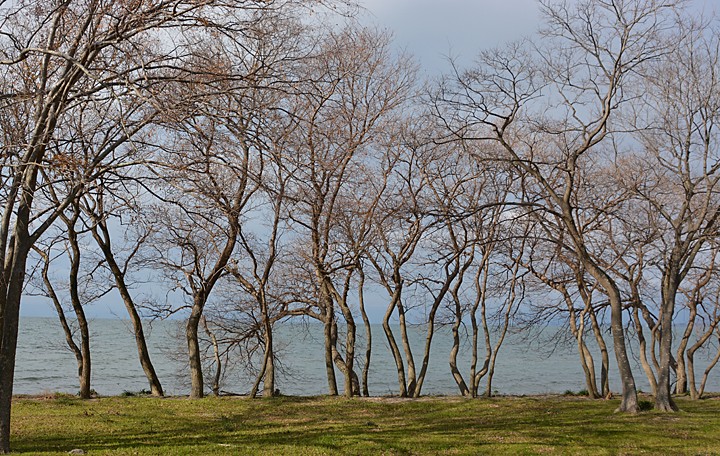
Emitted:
pixel 535 366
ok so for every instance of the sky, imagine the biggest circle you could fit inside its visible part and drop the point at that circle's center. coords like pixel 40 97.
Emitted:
pixel 432 30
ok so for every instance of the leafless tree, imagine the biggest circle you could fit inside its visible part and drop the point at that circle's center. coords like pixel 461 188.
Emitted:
pixel 55 57
pixel 355 89
pixel 101 203
pixel 680 181
pixel 552 109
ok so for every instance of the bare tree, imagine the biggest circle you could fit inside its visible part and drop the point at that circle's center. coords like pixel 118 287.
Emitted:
pixel 79 289
pixel 101 203
pixel 355 88
pixel 681 179
pixel 594 49
pixel 55 57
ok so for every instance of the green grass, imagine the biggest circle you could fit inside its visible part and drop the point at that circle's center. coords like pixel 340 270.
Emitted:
pixel 310 426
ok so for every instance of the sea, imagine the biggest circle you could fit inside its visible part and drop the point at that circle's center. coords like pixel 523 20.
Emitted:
pixel 527 363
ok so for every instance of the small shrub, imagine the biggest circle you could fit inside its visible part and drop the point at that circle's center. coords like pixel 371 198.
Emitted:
pixel 583 392
pixel 645 406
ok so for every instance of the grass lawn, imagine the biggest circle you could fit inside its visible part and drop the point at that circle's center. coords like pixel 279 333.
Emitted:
pixel 308 426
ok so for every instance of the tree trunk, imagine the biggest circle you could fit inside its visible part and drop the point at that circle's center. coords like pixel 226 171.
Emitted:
pixel 681 386
pixel 411 378
pixel 269 357
pixel 216 356
pixel 586 361
pixel 394 349
pixel 10 312
pixel 480 284
pixel 604 356
pixel 663 398
pixel 368 334
pixel 269 379
pixel 351 382
pixel 643 352
pixel 457 376
pixel 194 358
pixel 707 372
pixel 329 343
pixel 138 330
pixel 84 363
pixel 50 290
pixel 629 402
pixel 694 393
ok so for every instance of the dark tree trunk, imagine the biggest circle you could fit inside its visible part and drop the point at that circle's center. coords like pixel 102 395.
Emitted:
pixel 663 399
pixel 368 334
pixel 10 313
pixel 329 343
pixel 194 358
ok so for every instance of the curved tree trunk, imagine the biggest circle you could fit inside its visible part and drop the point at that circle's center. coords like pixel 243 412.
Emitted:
pixel 394 349
pixel 50 290
pixel 643 352
pixel 694 393
pixel 103 241
pixel 586 360
pixel 710 366
pixel 457 376
pixel 84 363
pixel 216 356
pixel 410 376
pixel 604 357
pixel 681 386
pixel 351 382
pixel 629 402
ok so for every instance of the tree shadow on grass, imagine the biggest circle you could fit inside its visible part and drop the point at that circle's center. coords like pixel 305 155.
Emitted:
pixel 336 426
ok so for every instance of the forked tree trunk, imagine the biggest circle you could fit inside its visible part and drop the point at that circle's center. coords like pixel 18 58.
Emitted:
pixel 269 355
pixel 710 366
pixel 457 376
pixel 694 392
pixel 347 366
pixel 681 385
pixel 216 356
pixel 586 360
pixel 84 362
pixel 394 349
pixel 643 352
pixel 67 331
pixel 410 376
